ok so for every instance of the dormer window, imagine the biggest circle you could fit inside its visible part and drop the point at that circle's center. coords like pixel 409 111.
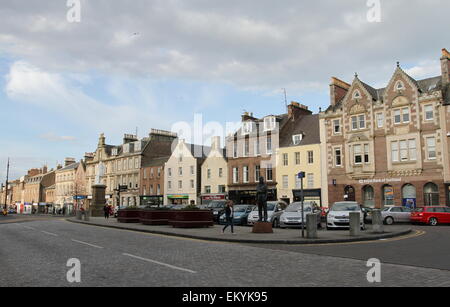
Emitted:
pixel 247 128
pixel 356 94
pixel 296 139
pixel 269 123
pixel 114 152
pixel 126 148
pixel 137 146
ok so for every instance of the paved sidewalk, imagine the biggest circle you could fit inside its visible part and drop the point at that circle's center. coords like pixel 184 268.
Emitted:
pixel 245 235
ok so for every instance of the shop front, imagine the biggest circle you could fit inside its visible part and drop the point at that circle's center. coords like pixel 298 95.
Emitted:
pixel 248 197
pixel 208 198
pixel 309 195
pixel 152 201
pixel 178 199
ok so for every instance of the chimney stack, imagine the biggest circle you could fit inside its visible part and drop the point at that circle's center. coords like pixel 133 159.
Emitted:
pixel 215 142
pixel 338 90
pixel 129 138
pixel 445 66
pixel 68 161
pixel 248 116
pixel 296 110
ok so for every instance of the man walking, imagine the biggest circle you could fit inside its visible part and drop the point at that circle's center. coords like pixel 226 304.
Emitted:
pixel 229 213
pixel 106 211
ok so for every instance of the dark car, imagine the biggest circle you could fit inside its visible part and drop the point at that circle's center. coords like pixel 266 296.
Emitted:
pixel 218 208
pixel 240 215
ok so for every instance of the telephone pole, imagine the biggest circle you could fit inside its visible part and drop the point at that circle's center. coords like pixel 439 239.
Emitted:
pixel 6 186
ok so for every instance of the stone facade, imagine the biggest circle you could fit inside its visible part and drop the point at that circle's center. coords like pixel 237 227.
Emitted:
pixel 387 146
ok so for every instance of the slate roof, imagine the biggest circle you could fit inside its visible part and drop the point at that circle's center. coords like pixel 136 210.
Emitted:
pixel 156 162
pixel 308 125
pixel 71 166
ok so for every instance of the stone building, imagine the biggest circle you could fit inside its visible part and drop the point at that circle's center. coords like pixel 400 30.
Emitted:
pixel 70 185
pixel 152 182
pixel 300 152
pixel 182 174
pixel 123 163
pixel 251 153
pixel 388 146
pixel 214 174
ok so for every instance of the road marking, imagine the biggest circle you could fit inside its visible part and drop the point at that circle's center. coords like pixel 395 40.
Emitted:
pixel 49 233
pixel 30 228
pixel 85 243
pixel 160 263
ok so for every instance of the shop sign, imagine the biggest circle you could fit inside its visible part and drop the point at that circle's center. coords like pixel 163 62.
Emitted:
pixel 380 180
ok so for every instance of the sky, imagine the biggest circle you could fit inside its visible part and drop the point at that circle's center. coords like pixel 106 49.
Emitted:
pixel 146 64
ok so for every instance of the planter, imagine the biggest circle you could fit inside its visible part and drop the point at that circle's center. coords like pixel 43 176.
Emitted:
pixel 155 217
pixel 192 219
pixel 128 215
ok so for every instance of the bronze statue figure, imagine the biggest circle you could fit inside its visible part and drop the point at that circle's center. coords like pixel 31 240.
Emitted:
pixel 261 200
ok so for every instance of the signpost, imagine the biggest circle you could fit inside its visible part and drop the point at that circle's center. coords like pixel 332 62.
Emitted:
pixel 301 176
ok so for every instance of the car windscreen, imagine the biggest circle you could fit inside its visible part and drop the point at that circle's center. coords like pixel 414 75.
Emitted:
pixel 240 208
pixel 345 207
pixel 270 207
pixel 298 206
pixel 418 210
pixel 216 204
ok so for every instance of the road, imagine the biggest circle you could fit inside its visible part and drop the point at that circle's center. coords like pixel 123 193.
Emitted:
pixel 35 253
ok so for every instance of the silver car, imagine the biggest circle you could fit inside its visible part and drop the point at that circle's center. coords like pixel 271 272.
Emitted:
pixel 393 215
pixel 292 216
pixel 274 211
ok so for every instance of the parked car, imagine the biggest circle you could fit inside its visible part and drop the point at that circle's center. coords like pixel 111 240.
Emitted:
pixel 274 211
pixel 431 215
pixel 292 216
pixel 240 215
pixel 391 215
pixel 339 215
pixel 218 208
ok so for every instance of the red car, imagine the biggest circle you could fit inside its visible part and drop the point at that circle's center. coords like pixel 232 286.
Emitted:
pixel 431 215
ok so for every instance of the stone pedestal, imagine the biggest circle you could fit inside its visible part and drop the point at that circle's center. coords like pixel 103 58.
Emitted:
pixel 377 221
pixel 311 226
pixel 355 224
pixel 98 200
pixel 262 227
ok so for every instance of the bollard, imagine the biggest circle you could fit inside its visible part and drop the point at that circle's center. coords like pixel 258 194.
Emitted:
pixel 311 226
pixel 377 221
pixel 79 215
pixel 355 225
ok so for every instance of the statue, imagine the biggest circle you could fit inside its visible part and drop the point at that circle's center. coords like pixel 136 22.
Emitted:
pixel 261 200
pixel 100 173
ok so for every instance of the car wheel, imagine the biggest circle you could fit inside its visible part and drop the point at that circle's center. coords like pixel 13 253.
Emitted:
pixel 389 220
pixel 433 221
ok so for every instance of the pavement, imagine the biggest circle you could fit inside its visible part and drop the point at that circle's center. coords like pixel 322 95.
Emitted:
pixel 243 234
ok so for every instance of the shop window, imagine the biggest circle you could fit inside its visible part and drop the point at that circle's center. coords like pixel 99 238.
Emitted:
pixel 368 196
pixel 388 195
pixel 349 193
pixel 409 196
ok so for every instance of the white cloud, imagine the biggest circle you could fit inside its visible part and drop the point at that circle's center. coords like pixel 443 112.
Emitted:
pixel 56 138
pixel 425 69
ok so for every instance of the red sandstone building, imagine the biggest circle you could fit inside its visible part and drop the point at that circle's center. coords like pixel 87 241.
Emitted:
pixel 389 146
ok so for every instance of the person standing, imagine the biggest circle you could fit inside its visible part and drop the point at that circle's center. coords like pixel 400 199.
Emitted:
pixel 229 213
pixel 261 200
pixel 106 211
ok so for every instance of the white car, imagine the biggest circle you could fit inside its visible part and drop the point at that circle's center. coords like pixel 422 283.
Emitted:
pixel 292 216
pixel 274 210
pixel 339 215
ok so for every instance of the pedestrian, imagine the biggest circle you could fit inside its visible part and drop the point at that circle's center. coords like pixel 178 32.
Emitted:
pixel 106 211
pixel 229 213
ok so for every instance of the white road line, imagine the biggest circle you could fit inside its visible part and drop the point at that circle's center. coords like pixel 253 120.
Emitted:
pixel 30 228
pixel 49 233
pixel 160 263
pixel 88 244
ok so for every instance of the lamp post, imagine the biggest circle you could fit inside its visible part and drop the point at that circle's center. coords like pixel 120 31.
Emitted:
pixel 6 187
pixel 301 176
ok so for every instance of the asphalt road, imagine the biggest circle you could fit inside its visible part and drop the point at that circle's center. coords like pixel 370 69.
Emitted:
pixel 35 253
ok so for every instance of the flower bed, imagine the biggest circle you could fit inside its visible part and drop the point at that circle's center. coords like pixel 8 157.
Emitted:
pixel 128 215
pixel 191 219
pixel 155 217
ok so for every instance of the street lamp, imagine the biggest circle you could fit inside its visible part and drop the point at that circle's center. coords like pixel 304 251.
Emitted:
pixel 301 176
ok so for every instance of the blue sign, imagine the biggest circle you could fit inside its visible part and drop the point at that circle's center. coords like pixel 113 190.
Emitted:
pixel 79 197
pixel 409 203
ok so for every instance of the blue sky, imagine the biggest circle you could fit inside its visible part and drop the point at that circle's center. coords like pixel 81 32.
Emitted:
pixel 62 84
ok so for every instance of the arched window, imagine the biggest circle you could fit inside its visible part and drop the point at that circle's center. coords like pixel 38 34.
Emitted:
pixel 387 192
pixel 349 193
pixel 368 196
pixel 409 196
pixel 431 194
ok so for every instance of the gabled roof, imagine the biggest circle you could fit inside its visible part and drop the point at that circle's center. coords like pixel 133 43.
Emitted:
pixel 71 166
